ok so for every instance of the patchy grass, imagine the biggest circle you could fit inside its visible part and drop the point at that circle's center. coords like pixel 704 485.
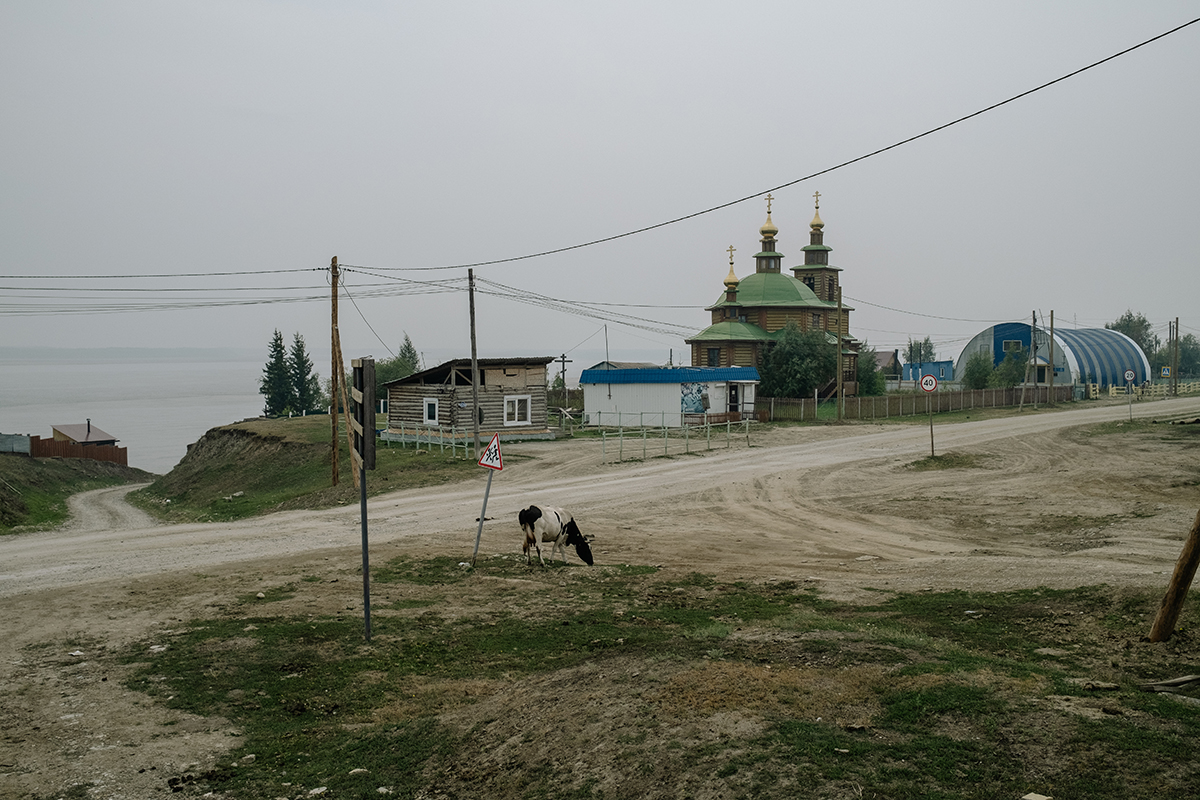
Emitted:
pixel 34 491
pixel 950 460
pixel 265 465
pixel 477 684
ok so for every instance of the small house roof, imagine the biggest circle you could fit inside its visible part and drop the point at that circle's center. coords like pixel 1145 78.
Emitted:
pixel 442 371
pixel 670 375
pixel 84 433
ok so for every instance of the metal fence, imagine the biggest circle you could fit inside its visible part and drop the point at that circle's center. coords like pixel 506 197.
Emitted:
pixel 775 409
pixel 431 436
pixel 640 443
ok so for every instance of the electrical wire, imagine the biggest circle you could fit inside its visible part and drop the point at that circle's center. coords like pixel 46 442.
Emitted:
pixel 808 177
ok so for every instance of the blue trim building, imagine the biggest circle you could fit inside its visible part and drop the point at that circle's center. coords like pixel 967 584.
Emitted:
pixel 1081 355
pixel 666 396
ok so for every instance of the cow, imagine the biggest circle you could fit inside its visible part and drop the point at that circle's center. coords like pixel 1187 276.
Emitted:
pixel 550 524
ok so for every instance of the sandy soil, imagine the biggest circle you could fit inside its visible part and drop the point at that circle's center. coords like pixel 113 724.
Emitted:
pixel 1046 505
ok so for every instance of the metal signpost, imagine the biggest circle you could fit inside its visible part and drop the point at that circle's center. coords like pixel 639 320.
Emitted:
pixel 362 457
pixel 929 386
pixel 494 461
pixel 1129 376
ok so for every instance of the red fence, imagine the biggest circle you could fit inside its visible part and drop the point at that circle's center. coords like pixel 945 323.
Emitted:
pixel 50 448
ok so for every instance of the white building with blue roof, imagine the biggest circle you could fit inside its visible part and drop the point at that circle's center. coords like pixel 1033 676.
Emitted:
pixel 667 396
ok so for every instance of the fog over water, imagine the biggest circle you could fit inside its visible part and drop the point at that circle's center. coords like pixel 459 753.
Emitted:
pixel 155 401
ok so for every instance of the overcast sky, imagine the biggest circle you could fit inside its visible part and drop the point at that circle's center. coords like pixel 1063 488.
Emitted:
pixel 150 137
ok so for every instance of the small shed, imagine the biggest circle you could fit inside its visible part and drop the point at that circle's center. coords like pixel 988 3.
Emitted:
pixel 512 399
pixel 85 434
pixel 667 396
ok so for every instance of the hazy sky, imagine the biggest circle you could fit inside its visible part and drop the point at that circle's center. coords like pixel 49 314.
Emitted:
pixel 151 137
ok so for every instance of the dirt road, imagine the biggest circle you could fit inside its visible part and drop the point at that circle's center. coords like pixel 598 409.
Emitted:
pixel 813 496
pixel 1042 503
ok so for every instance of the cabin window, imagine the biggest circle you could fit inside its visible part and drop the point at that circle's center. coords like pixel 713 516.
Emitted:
pixel 429 413
pixel 816 322
pixel 517 409
pixel 714 356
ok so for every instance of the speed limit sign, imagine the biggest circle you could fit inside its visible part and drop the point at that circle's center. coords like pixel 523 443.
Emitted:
pixel 1129 376
pixel 929 383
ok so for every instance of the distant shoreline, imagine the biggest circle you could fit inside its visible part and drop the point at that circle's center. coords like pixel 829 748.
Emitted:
pixel 92 355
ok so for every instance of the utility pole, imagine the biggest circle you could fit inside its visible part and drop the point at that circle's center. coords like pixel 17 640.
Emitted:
pixel 563 358
pixel 333 371
pixel 840 384
pixel 1175 363
pixel 474 363
pixel 1051 402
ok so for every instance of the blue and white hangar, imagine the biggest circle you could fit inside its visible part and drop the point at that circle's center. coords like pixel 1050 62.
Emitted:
pixel 1080 355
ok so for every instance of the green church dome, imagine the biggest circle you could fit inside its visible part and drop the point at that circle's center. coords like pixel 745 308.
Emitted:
pixel 773 289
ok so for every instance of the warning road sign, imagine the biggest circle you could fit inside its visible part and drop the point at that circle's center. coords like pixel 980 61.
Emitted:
pixel 491 456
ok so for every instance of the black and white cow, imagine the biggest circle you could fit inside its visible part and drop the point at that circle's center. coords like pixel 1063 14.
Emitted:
pixel 549 524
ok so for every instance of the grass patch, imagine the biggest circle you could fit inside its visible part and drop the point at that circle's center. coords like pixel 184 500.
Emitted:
pixel 265 465
pixel 948 461
pixel 511 682
pixel 34 491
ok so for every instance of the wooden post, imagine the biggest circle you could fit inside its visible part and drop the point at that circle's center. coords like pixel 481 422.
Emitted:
pixel 839 354
pixel 334 378
pixel 1172 602
pixel 474 365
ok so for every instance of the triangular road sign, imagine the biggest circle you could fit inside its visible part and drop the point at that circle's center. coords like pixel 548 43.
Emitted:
pixel 491 456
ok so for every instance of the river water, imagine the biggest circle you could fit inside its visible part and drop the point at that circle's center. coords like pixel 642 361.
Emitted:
pixel 155 401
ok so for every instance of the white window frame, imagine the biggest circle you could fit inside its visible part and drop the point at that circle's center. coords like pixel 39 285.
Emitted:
pixel 513 402
pixel 425 420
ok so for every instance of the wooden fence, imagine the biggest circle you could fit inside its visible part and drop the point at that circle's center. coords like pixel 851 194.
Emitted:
pixel 50 448
pixel 771 409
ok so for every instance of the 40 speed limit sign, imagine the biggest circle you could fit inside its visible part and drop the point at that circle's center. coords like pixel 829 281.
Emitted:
pixel 929 383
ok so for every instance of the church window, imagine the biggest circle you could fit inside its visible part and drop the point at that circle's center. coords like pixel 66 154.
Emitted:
pixel 714 356
pixel 816 322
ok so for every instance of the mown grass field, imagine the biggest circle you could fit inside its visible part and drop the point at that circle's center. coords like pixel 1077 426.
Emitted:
pixel 507 681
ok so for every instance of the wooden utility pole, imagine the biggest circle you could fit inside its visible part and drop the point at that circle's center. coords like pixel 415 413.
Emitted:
pixel 1175 363
pixel 333 371
pixel 1185 571
pixel 474 363
pixel 1051 400
pixel 840 384
pixel 563 358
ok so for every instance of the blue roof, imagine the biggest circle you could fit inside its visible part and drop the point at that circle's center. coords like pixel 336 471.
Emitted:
pixel 669 375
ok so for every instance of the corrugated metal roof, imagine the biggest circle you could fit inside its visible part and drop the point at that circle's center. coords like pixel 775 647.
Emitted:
pixel 444 368
pixel 669 375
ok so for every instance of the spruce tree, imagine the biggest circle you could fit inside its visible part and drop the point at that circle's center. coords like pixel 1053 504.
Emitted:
pixel 276 385
pixel 305 384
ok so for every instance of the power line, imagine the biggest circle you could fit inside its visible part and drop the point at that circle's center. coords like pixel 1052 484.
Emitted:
pixel 825 171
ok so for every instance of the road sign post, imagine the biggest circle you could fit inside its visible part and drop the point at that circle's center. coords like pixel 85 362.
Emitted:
pixel 494 461
pixel 929 386
pixel 1129 376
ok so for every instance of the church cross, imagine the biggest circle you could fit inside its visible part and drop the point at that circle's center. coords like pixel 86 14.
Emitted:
pixel 769 199
pixel 817 195
pixel 731 255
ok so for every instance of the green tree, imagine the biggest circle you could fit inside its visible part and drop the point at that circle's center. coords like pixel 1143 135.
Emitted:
pixel 1011 370
pixel 405 363
pixel 306 384
pixel 1138 328
pixel 1189 357
pixel 799 363
pixel 871 382
pixel 276 385
pixel 920 352
pixel 978 373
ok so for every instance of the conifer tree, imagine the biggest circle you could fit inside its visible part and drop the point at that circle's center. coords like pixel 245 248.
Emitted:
pixel 305 384
pixel 276 385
